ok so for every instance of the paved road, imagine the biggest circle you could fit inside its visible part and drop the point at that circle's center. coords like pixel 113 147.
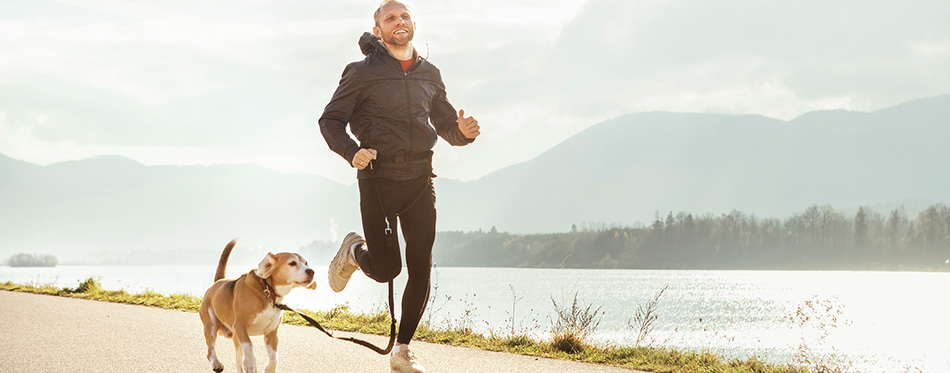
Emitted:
pixel 40 333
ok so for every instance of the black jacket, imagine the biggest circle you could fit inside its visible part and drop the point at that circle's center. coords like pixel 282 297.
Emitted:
pixel 389 110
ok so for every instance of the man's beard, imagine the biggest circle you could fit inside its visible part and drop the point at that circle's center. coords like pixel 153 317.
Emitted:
pixel 394 40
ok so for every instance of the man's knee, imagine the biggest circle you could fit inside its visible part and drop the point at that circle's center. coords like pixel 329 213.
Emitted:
pixel 420 270
pixel 384 272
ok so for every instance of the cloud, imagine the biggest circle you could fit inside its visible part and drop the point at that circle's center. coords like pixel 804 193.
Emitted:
pixel 158 82
pixel 245 81
pixel 779 59
pixel 817 49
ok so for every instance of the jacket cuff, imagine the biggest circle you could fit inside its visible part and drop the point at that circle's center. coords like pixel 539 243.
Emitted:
pixel 349 154
pixel 461 136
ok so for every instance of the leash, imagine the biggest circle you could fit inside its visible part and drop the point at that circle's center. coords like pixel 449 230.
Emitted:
pixel 314 323
pixel 381 351
pixel 390 242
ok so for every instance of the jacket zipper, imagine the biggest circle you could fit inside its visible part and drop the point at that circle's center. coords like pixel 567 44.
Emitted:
pixel 405 81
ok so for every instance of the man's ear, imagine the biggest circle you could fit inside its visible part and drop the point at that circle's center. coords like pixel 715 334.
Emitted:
pixel 267 265
pixel 377 32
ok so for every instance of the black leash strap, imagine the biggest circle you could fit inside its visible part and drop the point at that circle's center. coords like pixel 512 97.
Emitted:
pixel 390 242
pixel 392 326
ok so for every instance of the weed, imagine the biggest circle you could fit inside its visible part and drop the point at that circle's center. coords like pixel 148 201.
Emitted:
pixel 89 286
pixel 817 319
pixel 579 318
pixel 338 309
pixel 643 321
pixel 574 325
pixel 514 302
pixel 434 308
pixel 569 341
pixel 467 319
pixel 518 341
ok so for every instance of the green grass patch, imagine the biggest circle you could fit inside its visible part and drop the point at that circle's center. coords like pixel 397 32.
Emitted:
pixel 567 346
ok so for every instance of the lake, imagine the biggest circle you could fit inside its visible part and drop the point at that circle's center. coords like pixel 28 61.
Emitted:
pixel 888 321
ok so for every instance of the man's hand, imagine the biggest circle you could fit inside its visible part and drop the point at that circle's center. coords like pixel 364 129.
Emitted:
pixel 468 126
pixel 362 158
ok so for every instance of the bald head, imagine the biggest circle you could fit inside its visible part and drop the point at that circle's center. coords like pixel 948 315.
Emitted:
pixel 384 4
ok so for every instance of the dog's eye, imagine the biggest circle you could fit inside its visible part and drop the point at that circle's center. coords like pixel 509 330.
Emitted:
pixel 293 264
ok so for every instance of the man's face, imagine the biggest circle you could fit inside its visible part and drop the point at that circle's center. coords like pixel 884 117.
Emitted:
pixel 395 26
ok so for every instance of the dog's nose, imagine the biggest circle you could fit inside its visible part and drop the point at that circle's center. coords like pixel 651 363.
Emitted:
pixel 309 272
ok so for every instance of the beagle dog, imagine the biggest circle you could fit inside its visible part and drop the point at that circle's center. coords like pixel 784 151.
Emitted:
pixel 240 308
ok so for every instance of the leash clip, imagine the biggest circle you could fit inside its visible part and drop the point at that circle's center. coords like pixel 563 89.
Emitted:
pixel 388 230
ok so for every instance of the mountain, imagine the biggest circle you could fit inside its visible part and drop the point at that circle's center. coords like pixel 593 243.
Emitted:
pixel 108 206
pixel 621 171
pixel 625 170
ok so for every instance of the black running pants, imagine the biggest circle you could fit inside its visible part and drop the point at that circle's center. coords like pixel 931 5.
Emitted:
pixel 414 203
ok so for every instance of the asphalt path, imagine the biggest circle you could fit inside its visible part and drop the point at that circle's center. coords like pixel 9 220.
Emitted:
pixel 41 333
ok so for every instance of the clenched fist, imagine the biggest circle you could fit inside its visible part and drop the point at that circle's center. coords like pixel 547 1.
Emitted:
pixel 363 157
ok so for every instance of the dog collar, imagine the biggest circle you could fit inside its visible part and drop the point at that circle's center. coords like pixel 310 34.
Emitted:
pixel 268 290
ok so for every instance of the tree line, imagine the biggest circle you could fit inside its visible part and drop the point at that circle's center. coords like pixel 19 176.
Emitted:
pixel 817 238
pixel 32 260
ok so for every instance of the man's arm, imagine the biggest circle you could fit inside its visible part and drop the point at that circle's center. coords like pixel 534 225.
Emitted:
pixel 338 113
pixel 446 120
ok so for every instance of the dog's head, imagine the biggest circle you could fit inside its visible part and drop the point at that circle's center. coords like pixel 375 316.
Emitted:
pixel 287 269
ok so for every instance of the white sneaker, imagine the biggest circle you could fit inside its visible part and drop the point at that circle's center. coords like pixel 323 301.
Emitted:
pixel 342 266
pixel 405 361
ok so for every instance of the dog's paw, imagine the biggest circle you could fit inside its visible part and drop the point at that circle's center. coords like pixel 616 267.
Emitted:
pixel 216 365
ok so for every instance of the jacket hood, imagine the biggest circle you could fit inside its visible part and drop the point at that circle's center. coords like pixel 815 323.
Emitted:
pixel 369 43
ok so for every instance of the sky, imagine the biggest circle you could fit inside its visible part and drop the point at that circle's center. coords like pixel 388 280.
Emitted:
pixel 176 82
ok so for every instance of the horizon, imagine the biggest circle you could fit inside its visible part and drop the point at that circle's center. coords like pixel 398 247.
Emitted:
pixel 173 83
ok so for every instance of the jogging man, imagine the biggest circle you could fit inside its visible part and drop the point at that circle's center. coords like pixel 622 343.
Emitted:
pixel 389 99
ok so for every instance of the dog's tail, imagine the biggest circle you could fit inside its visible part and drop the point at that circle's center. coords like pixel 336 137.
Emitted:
pixel 223 262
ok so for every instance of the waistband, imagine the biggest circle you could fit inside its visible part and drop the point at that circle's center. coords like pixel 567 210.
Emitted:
pixel 403 158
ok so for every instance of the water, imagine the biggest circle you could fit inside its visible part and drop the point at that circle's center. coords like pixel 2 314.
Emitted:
pixel 889 321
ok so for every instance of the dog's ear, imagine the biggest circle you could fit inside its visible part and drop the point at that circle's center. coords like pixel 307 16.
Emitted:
pixel 267 265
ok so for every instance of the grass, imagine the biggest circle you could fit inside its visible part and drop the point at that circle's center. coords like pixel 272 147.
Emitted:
pixel 569 347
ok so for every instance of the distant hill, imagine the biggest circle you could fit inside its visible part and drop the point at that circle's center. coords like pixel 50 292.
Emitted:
pixel 108 206
pixel 625 169
pixel 617 172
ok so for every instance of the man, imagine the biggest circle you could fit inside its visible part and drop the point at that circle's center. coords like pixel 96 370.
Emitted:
pixel 388 99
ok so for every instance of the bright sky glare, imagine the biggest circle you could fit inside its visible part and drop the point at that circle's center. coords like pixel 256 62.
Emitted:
pixel 179 82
